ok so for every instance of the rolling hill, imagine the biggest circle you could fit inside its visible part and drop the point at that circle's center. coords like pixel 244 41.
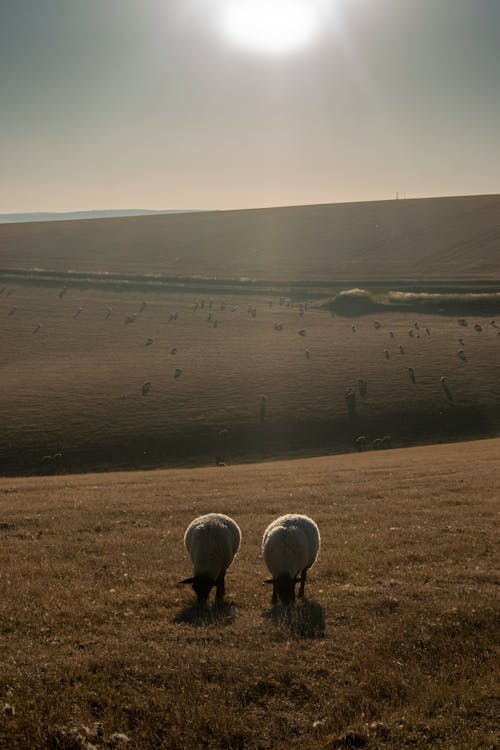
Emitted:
pixel 422 239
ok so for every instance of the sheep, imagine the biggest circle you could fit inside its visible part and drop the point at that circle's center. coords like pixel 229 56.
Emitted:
pixel 461 354
pixel 142 307
pixel 278 326
pixel 377 324
pixel 401 349
pixel 411 374
pixel 478 327
pixel 212 542
pixel 146 387
pixel 410 332
pixel 428 331
pixel 386 354
pixel 302 332
pixel 108 312
pixel 177 373
pixel 290 546
pixel 462 322
pixel 149 341
pixel 353 328
pixel 173 350
pixel 361 443
pixel 130 318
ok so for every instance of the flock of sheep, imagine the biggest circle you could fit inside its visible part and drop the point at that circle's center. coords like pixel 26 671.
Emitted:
pixel 290 546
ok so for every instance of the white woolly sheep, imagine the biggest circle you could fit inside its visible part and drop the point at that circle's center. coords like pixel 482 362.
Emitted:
pixel 212 541
pixel 290 546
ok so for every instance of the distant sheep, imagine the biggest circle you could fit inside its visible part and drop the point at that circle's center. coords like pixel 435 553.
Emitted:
pixel 386 354
pixel 78 312
pixel 401 349
pixel 462 322
pixel 149 342
pixel 302 332
pixel 411 374
pixel 391 334
pixel 142 307
pixel 290 546
pixel 173 350
pixel 461 354
pixel 212 542
pixel 353 328
pixel 177 373
pixel 108 312
pixel 278 326
pixel 410 333
pixel 146 387
pixel 361 443
pixel 428 331
pixel 478 327
pixel 131 318
pixel 377 324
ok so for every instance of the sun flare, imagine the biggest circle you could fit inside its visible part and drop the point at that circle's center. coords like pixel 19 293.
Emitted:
pixel 270 26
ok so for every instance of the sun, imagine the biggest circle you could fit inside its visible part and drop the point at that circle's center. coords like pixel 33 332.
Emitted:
pixel 270 26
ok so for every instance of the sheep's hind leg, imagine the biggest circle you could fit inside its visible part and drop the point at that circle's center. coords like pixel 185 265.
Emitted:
pixel 302 583
pixel 221 588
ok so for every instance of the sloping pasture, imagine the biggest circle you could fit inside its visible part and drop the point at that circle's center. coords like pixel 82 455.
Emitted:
pixel 394 647
pixel 122 379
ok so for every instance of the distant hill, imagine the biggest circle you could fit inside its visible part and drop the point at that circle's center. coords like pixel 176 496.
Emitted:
pixel 419 239
pixel 71 215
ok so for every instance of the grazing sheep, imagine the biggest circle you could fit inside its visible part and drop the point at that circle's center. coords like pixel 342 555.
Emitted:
pixel 278 326
pixel 290 546
pixel 461 342
pixel 493 323
pixel 146 387
pixel 391 334
pixel 353 328
pixel 428 331
pixel 173 350
pixel 416 325
pixel 363 387
pixel 149 342
pixel 478 327
pixel 386 354
pixel 401 349
pixel 461 354
pixel 411 373
pixel 462 322
pixel 302 332
pixel 377 324
pixel 177 373
pixel 130 318
pixel 361 443
pixel 410 332
pixel 212 541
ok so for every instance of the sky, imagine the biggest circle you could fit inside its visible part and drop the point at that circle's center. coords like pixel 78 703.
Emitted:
pixel 112 104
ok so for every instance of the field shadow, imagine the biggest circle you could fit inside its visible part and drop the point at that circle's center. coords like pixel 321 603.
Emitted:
pixel 200 616
pixel 304 620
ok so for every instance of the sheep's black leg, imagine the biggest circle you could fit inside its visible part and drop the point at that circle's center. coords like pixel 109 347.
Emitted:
pixel 274 600
pixel 302 583
pixel 221 588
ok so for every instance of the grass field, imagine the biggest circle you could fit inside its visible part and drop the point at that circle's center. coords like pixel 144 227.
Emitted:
pixel 90 374
pixel 395 646
pixel 437 238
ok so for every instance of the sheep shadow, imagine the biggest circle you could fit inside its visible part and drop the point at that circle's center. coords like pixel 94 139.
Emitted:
pixel 200 616
pixel 303 620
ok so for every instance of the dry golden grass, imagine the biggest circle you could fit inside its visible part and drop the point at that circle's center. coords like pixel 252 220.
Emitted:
pixel 394 647
pixel 411 239
pixel 74 385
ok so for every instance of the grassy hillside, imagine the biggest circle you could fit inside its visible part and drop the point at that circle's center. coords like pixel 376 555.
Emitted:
pixel 395 646
pixel 91 375
pixel 440 238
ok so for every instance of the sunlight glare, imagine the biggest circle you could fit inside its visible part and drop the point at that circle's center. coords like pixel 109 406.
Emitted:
pixel 270 26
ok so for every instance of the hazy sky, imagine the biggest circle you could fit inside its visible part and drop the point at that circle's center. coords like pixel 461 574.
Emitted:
pixel 144 104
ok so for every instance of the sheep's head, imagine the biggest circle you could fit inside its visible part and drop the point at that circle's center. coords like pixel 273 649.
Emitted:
pixel 202 586
pixel 284 587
